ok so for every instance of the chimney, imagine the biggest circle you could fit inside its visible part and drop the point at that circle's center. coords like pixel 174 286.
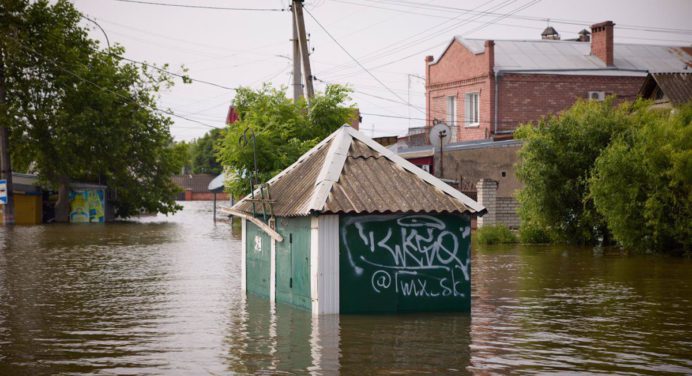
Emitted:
pixel 584 36
pixel 602 41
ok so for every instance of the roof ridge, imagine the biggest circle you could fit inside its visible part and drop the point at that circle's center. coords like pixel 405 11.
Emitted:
pixel 410 167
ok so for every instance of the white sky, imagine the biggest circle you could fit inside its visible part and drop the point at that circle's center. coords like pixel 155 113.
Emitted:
pixel 390 38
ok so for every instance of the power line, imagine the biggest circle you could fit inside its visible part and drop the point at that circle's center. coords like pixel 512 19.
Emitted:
pixel 184 77
pixel 354 59
pixel 129 99
pixel 203 6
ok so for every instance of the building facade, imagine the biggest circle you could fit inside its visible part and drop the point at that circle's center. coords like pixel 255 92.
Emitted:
pixel 485 89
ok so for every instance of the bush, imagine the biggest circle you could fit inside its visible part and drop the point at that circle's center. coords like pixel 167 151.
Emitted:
pixel 496 234
pixel 533 234
pixel 642 183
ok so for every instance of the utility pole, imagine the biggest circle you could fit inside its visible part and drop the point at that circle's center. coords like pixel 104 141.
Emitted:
pixel 297 77
pixel 305 54
pixel 5 165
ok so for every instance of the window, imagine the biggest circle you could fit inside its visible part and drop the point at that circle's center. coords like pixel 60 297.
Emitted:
pixel 452 116
pixel 471 110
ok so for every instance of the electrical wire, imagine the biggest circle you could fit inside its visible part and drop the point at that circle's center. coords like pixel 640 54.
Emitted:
pixel 129 99
pixel 203 6
pixel 353 58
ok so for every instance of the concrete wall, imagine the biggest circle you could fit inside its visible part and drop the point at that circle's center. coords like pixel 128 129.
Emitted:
pixel 487 160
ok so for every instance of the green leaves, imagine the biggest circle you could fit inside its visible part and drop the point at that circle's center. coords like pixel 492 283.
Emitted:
pixel 83 113
pixel 642 183
pixel 283 130
pixel 598 169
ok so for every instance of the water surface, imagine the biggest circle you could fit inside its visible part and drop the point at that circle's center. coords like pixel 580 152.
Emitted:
pixel 160 295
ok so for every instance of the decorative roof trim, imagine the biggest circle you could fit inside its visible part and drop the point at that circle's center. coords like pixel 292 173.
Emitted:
pixel 331 169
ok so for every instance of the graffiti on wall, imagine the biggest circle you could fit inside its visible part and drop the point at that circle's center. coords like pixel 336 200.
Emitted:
pixel 87 206
pixel 409 256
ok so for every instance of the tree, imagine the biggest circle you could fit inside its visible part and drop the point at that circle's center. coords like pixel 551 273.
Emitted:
pixel 203 153
pixel 556 162
pixel 642 182
pixel 283 130
pixel 80 113
pixel 182 156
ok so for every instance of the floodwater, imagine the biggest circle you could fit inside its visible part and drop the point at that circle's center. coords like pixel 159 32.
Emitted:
pixel 161 295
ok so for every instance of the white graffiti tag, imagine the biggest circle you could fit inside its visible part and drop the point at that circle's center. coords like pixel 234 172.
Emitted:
pixel 416 255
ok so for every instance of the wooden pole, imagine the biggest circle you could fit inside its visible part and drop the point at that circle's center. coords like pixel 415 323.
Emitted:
pixel 5 165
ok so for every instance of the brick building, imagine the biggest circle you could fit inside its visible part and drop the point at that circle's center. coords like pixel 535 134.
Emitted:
pixel 485 89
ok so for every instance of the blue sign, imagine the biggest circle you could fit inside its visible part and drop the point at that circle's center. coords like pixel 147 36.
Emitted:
pixel 3 192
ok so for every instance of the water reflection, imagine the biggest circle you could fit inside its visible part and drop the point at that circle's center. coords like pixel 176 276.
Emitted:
pixel 268 338
pixel 161 296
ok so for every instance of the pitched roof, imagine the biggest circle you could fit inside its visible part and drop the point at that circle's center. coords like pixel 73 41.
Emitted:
pixel 350 173
pixel 677 87
pixel 573 57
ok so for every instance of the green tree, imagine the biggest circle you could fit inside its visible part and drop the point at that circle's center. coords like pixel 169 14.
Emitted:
pixel 556 161
pixel 203 153
pixel 642 182
pixel 283 130
pixel 76 112
pixel 182 156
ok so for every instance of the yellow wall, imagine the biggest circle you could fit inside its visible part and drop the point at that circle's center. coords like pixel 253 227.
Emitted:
pixel 27 210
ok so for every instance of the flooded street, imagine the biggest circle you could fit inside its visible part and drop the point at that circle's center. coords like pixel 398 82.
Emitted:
pixel 161 295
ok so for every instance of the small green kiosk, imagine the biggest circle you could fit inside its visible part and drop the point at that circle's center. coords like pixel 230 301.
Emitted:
pixel 357 229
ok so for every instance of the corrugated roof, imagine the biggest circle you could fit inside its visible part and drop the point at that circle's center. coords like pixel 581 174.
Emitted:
pixel 676 86
pixel 350 173
pixel 551 55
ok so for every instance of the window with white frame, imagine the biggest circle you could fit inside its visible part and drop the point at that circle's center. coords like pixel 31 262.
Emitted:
pixel 452 116
pixel 471 109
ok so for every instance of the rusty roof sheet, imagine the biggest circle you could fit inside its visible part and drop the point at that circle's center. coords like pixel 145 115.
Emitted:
pixel 676 86
pixel 350 173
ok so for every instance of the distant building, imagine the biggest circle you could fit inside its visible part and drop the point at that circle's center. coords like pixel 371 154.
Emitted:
pixel 484 89
pixel 667 89
pixel 195 187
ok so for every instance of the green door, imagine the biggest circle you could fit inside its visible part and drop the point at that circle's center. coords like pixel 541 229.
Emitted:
pixel 257 257
pixel 404 263
pixel 293 262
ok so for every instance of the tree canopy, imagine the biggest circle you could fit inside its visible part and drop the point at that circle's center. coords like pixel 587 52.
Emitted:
pixel 642 182
pixel 78 112
pixel 283 130
pixel 599 171
pixel 203 153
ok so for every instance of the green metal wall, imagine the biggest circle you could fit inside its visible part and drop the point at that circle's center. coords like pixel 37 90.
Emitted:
pixel 293 262
pixel 258 260
pixel 404 263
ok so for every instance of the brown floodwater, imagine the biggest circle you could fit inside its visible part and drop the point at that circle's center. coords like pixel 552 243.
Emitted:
pixel 161 295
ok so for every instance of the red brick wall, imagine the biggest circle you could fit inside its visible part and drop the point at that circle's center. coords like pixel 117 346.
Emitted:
pixel 528 97
pixel 460 71
pixel 208 196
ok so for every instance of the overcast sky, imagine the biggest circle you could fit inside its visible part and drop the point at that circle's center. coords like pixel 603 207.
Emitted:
pixel 390 38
